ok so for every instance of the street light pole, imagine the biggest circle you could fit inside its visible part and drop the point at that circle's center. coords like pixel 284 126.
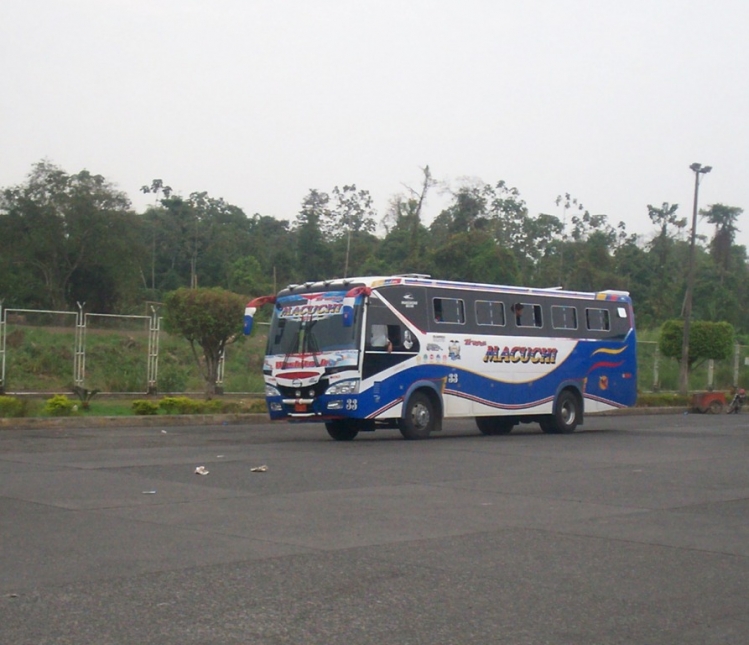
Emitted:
pixel 698 170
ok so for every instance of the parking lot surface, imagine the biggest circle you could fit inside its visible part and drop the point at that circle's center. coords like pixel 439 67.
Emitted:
pixel 635 529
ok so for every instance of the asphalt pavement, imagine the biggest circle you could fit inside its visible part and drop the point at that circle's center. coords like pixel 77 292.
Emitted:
pixel 634 529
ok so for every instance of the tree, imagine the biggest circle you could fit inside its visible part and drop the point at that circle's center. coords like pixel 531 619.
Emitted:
pixel 310 244
pixel 208 318
pixel 402 223
pixel 351 214
pixel 664 264
pixel 73 233
pixel 706 340
pixel 724 219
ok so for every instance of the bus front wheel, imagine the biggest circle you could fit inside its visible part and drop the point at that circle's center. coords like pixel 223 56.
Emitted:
pixel 342 429
pixel 419 420
pixel 567 415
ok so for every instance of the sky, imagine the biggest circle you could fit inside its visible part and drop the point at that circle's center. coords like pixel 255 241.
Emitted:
pixel 257 101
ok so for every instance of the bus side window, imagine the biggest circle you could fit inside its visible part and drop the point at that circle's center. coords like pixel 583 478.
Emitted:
pixel 597 319
pixel 563 317
pixel 527 315
pixel 490 312
pixel 450 310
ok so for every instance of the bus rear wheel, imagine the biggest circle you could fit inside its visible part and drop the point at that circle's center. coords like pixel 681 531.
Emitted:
pixel 342 429
pixel 419 420
pixel 567 415
pixel 494 425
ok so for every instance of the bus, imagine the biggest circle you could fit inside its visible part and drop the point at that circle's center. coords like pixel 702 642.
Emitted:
pixel 407 351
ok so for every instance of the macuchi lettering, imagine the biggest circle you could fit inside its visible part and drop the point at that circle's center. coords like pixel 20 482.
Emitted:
pixel 544 355
pixel 313 311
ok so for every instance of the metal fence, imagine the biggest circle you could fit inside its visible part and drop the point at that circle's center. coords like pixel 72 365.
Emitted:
pixel 74 335
pixel 657 373
pixel 123 353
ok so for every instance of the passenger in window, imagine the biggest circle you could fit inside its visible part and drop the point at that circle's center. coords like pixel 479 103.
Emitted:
pixel 517 308
pixel 379 338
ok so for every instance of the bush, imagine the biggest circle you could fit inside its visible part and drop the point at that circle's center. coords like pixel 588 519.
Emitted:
pixel 186 405
pixel 177 405
pixel 59 406
pixel 257 406
pixel 10 406
pixel 143 407
pixel 662 399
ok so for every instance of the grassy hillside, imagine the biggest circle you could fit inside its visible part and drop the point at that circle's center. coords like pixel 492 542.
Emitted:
pixel 41 359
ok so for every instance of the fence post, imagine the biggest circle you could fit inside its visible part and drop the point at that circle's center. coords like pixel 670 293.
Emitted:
pixel 153 351
pixel 220 372
pixel 656 376
pixel 710 374
pixel 79 355
pixel 2 349
pixel 736 352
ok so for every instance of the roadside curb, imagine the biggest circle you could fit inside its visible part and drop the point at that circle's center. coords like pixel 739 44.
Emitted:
pixel 150 421
pixel 160 420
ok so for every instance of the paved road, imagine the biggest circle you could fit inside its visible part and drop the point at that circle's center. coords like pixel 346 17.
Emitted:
pixel 633 530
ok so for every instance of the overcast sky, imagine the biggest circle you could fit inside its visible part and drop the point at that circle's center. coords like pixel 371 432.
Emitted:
pixel 259 101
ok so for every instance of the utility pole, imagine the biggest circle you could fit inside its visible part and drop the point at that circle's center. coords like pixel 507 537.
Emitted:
pixel 698 170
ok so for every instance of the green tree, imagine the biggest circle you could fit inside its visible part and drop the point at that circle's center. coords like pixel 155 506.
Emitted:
pixel 706 340
pixel 209 318
pixel 473 256
pixel 724 219
pixel 664 262
pixel 193 240
pixel 74 234
pixel 311 245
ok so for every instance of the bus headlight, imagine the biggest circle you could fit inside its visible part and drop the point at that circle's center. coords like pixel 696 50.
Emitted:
pixel 350 386
pixel 271 391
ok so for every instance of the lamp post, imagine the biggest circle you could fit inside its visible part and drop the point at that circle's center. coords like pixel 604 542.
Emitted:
pixel 698 170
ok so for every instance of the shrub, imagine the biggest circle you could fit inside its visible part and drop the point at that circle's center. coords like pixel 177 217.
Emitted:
pixel 212 406
pixel 10 406
pixel 178 405
pixel 143 407
pixel 60 406
pixel 257 406
pixel 186 405
pixel 661 399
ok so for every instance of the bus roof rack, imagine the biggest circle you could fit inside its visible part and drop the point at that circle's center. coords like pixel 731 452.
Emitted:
pixel 413 275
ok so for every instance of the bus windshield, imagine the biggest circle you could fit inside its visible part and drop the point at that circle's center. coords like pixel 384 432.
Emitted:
pixel 312 323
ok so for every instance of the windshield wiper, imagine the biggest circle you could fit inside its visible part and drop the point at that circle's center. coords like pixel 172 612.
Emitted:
pixel 310 340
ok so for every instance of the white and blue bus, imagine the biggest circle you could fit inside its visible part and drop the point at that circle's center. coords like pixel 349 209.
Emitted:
pixel 406 352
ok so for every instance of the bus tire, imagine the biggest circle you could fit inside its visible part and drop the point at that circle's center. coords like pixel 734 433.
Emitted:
pixel 420 419
pixel 490 426
pixel 342 429
pixel 567 414
pixel 548 425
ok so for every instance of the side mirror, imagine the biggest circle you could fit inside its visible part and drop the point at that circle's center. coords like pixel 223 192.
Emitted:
pixel 251 308
pixel 249 314
pixel 349 301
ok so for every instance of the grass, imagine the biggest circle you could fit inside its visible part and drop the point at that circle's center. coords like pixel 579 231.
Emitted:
pixel 42 359
pixel 34 406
